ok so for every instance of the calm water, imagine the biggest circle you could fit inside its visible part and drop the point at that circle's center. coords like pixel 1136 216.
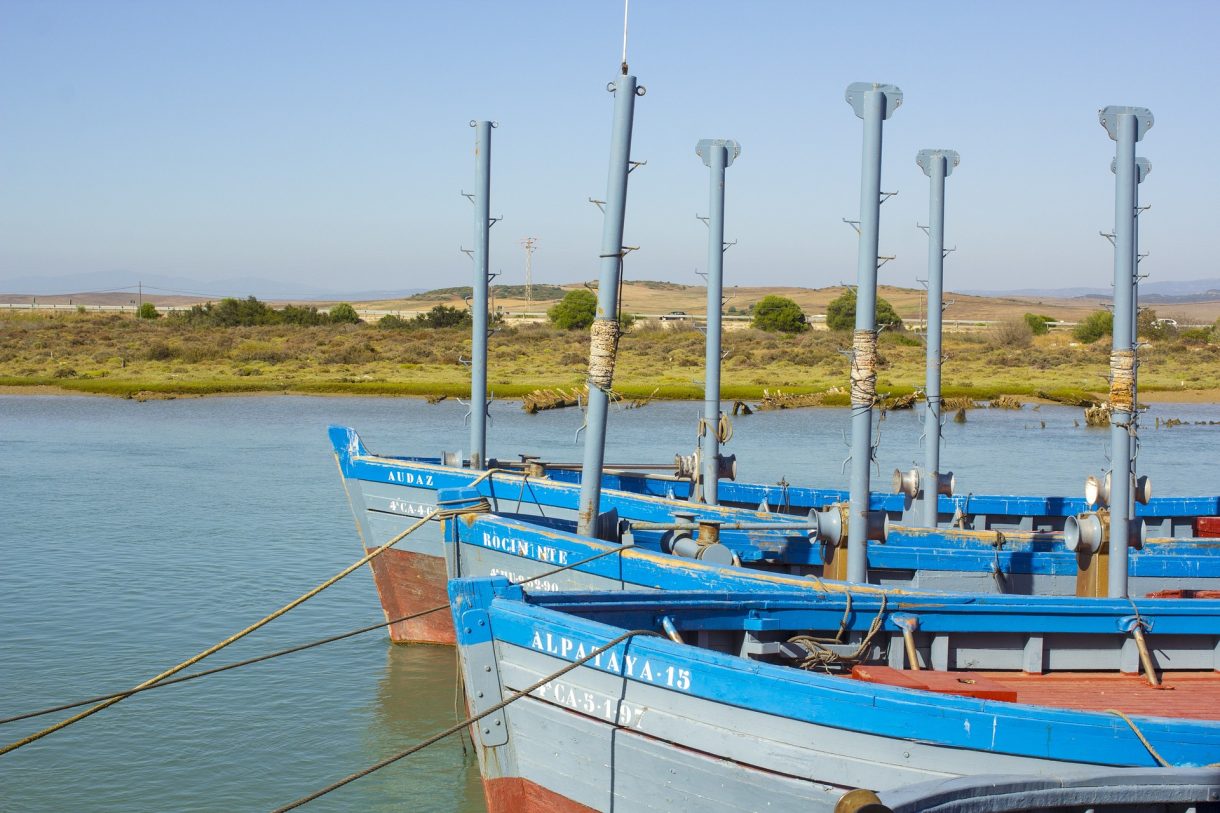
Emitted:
pixel 133 535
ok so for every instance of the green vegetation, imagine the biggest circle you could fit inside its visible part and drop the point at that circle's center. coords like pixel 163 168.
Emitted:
pixel 1095 325
pixel 344 314
pixel 1038 325
pixel 841 313
pixel 778 314
pixel 147 310
pixel 575 311
pixel 111 354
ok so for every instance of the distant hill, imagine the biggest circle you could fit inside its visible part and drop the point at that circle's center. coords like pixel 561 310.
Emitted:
pixel 1170 291
pixel 110 281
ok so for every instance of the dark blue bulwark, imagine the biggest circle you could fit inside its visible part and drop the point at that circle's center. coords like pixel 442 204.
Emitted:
pixel 906 548
pixel 554 624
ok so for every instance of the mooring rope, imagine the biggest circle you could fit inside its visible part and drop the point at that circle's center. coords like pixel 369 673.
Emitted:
pixel 248 662
pixel 1155 754
pixel 296 602
pixel 821 655
pixel 1122 380
pixel 864 369
pixel 435 738
pixel 603 350
pixel 723 429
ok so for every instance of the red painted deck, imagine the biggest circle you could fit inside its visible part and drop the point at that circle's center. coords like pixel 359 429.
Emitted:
pixel 410 583
pixel 1189 695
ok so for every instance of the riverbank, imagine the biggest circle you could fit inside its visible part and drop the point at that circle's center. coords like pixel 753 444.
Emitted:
pixel 125 357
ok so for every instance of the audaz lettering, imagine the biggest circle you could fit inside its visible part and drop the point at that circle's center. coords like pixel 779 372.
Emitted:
pixel 632 666
pixel 409 478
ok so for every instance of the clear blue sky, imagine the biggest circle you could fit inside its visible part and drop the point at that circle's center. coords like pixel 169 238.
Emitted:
pixel 326 142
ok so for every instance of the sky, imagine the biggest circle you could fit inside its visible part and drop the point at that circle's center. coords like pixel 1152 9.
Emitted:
pixel 327 143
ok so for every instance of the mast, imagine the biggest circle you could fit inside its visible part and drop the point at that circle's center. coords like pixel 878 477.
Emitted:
pixel 605 330
pixel 937 165
pixel 874 103
pixel 717 155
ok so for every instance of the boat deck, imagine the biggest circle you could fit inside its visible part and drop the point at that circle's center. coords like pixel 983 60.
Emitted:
pixel 1187 695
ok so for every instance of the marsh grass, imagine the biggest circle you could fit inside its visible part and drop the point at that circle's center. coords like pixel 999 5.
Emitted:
pixel 121 356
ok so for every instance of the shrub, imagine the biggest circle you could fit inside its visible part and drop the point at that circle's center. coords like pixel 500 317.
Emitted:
pixel 443 316
pixel 343 314
pixel 1014 333
pixel 1038 324
pixel 301 315
pixel 841 313
pixel 147 310
pixel 778 314
pixel 392 322
pixel 1196 336
pixel 575 311
pixel 159 351
pixel 1096 325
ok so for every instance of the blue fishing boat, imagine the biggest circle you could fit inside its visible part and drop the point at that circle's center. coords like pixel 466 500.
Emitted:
pixel 777 700
pixel 389 494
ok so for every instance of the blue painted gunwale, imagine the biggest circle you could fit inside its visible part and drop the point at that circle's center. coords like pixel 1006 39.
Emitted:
pixel 943 720
pixel 1177 560
pixel 802 499
pixel 906 548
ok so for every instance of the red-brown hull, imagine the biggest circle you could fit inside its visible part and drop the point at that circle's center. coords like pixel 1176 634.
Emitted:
pixel 515 795
pixel 411 583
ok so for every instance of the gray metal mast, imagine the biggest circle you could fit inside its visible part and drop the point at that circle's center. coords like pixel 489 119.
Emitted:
pixel 937 165
pixel 874 103
pixel 717 155
pixel 1126 126
pixel 1142 167
pixel 605 331
pixel 479 328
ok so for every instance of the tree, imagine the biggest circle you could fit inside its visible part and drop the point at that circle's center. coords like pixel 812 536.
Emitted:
pixel 443 316
pixel 1038 324
pixel 147 311
pixel 575 311
pixel 778 314
pixel 1096 325
pixel 344 314
pixel 841 313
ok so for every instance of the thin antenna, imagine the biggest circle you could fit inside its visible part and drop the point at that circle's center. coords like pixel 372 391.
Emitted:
pixel 529 243
pixel 625 4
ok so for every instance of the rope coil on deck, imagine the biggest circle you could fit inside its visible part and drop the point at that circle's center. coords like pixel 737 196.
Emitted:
pixel 821 655
pixel 1122 380
pixel 603 350
pixel 864 368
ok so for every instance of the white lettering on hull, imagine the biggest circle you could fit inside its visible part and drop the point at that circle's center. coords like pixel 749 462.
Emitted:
pixel 639 668
pixel 408 478
pixel 524 548
pixel 593 704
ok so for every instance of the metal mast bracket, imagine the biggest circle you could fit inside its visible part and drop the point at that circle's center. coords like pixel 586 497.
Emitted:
pixel 1108 116
pixel 731 147
pixel 855 97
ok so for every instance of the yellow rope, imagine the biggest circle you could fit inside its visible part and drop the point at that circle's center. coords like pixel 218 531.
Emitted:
pixel 603 349
pixel 258 624
pixel 1122 380
pixel 1160 759
pixel 864 368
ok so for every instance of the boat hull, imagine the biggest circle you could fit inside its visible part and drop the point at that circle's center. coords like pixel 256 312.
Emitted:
pixel 649 725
